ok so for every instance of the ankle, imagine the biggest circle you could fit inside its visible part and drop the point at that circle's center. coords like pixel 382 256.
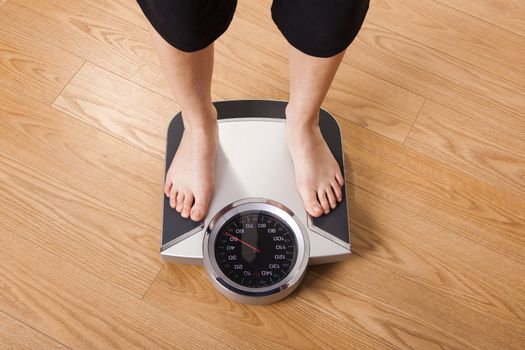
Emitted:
pixel 203 136
pixel 202 121
pixel 301 119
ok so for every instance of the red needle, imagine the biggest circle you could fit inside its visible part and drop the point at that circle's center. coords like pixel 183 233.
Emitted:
pixel 243 242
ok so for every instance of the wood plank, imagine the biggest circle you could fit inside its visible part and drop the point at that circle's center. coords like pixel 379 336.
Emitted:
pixel 455 33
pixel 422 70
pixel 408 331
pixel 121 108
pixel 289 324
pixel 245 68
pixel 410 283
pixel 109 39
pixel 251 62
pixel 82 311
pixel 80 29
pixel 82 156
pixel 139 116
pixel 29 68
pixel 439 77
pixel 323 329
pixel 360 97
pixel 471 146
pixel 117 106
pixel 437 223
pixel 16 335
pixel 437 260
pixel 80 193
pixel 508 14
pixel 78 228
pixel 125 10
pixel 373 103
pixel 429 188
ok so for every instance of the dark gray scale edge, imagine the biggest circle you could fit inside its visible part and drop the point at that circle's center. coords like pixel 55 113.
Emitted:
pixel 335 223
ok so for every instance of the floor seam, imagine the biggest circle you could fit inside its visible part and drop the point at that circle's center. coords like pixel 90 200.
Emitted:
pixel 479 18
pixel 415 121
pixel 463 61
pixel 36 330
pixel 452 228
pixel 66 258
pixel 153 281
pixel 69 81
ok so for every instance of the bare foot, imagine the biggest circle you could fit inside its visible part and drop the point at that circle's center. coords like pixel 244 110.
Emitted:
pixel 317 174
pixel 189 181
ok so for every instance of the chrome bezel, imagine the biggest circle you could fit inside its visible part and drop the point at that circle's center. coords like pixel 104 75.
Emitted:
pixel 250 295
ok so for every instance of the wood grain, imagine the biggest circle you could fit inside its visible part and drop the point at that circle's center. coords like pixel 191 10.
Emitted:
pixel 80 310
pixel 411 264
pixel 508 14
pixel 33 69
pixel 16 335
pixel 120 108
pixel 83 30
pixel 453 33
pixel 436 258
pixel 354 93
pixel 430 99
pixel 288 324
pixel 248 68
pixel 439 77
pixel 429 188
pixel 470 145
pixel 399 263
pixel 80 193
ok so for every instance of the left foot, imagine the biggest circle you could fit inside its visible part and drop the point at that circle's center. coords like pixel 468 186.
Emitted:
pixel 317 173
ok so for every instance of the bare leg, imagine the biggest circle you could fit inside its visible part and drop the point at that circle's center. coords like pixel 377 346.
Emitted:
pixel 189 181
pixel 318 177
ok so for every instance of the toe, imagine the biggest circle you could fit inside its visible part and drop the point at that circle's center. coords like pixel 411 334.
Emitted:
pixel 339 177
pixel 200 208
pixel 167 187
pixel 321 194
pixel 186 206
pixel 173 197
pixel 331 196
pixel 179 199
pixel 311 204
pixel 337 190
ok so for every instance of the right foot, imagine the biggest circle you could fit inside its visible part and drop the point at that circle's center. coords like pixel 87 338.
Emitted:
pixel 317 174
pixel 189 181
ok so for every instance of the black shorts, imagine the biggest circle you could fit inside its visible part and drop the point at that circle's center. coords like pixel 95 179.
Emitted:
pixel 321 28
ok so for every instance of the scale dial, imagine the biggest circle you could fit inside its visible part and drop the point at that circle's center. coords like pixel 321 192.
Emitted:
pixel 255 251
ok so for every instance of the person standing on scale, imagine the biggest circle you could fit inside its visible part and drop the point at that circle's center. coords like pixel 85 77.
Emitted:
pixel 318 33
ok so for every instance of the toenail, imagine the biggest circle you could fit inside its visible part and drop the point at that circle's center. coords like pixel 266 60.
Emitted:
pixel 317 209
pixel 196 213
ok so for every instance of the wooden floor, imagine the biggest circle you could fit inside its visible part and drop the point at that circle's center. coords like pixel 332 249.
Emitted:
pixel 431 99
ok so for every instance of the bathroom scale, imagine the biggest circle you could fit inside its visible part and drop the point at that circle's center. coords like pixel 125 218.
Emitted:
pixel 257 238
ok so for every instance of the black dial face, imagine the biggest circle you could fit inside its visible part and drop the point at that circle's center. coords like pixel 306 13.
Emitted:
pixel 255 249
